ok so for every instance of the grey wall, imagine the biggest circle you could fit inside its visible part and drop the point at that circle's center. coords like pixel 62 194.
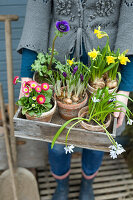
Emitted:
pixel 15 7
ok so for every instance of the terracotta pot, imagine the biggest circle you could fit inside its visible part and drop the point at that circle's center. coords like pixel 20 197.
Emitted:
pixel 92 90
pixel 34 79
pixel 45 117
pixel 69 111
pixel 91 127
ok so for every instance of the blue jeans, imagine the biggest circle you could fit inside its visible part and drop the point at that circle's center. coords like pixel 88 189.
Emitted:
pixel 60 161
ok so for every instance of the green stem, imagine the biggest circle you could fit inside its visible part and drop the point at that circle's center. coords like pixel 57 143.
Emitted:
pixel 49 67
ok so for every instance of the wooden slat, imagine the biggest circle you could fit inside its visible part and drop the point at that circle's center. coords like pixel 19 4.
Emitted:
pixel 113 183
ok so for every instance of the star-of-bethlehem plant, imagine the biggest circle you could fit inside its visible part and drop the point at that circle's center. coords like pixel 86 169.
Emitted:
pixel 36 99
pixel 46 62
pixel 105 63
pixel 100 105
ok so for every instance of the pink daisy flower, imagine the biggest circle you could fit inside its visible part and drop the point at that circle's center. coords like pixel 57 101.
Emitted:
pixel 26 94
pixel 38 88
pixel 45 86
pixel 41 99
pixel 15 80
pixel 33 84
pixel 25 90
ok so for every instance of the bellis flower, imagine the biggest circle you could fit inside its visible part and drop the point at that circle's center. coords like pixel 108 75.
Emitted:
pixel 45 86
pixel 33 84
pixel 38 88
pixel 16 80
pixel 26 94
pixel 25 90
pixel 41 99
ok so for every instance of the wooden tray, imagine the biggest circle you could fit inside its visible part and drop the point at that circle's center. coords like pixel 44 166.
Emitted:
pixel 43 131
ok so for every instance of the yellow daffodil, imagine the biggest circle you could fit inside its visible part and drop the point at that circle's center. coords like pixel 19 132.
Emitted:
pixel 93 54
pixel 100 34
pixel 123 59
pixel 70 62
pixel 110 59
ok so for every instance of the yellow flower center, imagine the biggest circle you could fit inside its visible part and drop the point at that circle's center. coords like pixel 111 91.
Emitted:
pixel 41 99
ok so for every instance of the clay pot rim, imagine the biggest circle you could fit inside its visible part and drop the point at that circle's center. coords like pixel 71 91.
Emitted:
pixel 51 86
pixel 45 114
pixel 72 106
pixel 92 90
pixel 84 110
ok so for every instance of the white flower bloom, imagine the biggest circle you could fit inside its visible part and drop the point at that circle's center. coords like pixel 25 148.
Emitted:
pixel 130 121
pixel 112 99
pixel 116 150
pixel 69 149
pixel 95 100
pixel 33 105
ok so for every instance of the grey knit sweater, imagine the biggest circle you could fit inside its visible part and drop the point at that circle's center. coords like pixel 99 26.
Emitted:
pixel 114 16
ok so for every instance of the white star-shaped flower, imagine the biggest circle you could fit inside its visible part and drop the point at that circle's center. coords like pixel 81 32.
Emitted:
pixel 116 150
pixel 130 121
pixel 69 149
pixel 95 100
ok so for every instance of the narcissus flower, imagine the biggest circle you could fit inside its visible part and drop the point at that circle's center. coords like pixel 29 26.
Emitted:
pixel 41 99
pixel 100 34
pixel 62 26
pixel 110 59
pixel 34 98
pixel 123 59
pixel 45 86
pixel 26 94
pixel 38 88
pixel 15 80
pixel 33 84
pixel 25 90
pixel 70 62
pixel 93 54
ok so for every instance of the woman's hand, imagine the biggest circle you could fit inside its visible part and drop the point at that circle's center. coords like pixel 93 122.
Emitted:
pixel 120 115
pixel 22 80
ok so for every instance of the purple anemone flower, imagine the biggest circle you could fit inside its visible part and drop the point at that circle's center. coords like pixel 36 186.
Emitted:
pixel 81 77
pixel 75 69
pixel 65 74
pixel 62 26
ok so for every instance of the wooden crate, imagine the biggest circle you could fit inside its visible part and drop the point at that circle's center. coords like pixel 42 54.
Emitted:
pixel 45 132
pixel 113 181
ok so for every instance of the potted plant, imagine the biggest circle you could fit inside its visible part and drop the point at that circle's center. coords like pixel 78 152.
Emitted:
pixel 104 65
pixel 37 102
pixel 70 88
pixel 45 64
pixel 97 116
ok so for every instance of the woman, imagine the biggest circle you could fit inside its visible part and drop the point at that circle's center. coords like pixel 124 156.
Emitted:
pixel 83 16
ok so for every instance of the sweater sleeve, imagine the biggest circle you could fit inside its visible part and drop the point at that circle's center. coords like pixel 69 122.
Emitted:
pixel 28 57
pixel 36 26
pixel 127 76
pixel 124 39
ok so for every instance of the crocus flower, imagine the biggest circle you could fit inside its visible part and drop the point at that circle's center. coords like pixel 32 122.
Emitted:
pixel 45 86
pixel 25 90
pixel 75 69
pixel 26 94
pixel 81 77
pixel 64 74
pixel 15 80
pixel 129 122
pixel 33 84
pixel 41 99
pixel 38 88
pixel 62 26
pixel 95 100
pixel 69 149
